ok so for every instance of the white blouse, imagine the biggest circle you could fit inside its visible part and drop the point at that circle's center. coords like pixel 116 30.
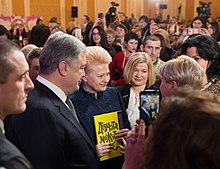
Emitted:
pixel 133 108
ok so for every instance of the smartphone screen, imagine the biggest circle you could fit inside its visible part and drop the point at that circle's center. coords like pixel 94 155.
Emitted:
pixel 100 15
pixel 149 104
pixel 118 40
pixel 197 31
pixel 191 31
pixel 78 32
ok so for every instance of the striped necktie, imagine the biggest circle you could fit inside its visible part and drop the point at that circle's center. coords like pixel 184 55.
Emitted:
pixel 71 107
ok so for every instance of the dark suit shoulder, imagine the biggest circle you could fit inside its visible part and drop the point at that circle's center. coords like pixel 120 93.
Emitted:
pixel 49 136
pixel 10 156
pixel 125 93
pixel 37 97
pixel 124 89
pixel 111 90
pixel 7 150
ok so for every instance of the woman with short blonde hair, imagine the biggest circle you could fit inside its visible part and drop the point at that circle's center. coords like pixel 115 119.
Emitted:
pixel 94 97
pixel 180 72
pixel 96 55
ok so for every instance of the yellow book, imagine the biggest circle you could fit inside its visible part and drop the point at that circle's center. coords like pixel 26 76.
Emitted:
pixel 106 125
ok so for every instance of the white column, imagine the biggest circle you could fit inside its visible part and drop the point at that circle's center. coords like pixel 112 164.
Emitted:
pixel 196 4
pixel 6 7
pixel 82 10
pixel 76 3
pixel 142 9
pixel 10 9
pixel 62 13
pixel 27 8
pixel 95 10
pixel 131 7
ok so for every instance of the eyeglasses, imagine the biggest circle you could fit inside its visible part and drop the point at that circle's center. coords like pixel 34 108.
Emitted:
pixel 110 36
pixel 119 29
pixel 98 34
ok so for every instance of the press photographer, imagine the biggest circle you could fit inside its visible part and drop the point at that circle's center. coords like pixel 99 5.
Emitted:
pixel 111 14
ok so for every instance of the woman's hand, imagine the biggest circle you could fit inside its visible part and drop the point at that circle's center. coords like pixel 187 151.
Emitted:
pixel 121 134
pixel 204 31
pixel 134 147
pixel 80 37
pixel 103 149
pixel 185 32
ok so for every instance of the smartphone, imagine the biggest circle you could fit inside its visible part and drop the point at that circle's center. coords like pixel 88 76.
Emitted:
pixel 78 32
pixel 117 40
pixel 100 15
pixel 196 31
pixel 191 31
pixel 149 104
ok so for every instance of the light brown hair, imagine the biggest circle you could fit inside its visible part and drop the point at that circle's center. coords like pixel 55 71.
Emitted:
pixel 136 58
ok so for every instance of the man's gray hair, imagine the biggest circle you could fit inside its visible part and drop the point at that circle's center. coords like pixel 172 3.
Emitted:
pixel 7 49
pixel 59 47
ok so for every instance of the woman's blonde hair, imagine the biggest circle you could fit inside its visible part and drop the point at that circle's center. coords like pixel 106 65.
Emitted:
pixel 110 31
pixel 165 35
pixel 184 71
pixel 136 58
pixel 97 55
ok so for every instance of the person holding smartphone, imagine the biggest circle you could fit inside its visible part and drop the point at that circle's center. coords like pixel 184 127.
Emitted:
pixel 180 72
pixel 99 38
pixel 139 75
pixel 207 54
pixel 120 31
pixel 197 27
pixel 186 135
pixel 110 33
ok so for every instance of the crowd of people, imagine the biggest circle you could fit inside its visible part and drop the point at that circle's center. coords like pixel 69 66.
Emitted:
pixel 54 82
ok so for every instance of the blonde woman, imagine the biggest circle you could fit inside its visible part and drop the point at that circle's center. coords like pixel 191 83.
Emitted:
pixel 94 98
pixel 179 72
pixel 139 75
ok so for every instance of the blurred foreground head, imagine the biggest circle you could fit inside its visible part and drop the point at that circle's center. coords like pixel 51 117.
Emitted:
pixel 187 134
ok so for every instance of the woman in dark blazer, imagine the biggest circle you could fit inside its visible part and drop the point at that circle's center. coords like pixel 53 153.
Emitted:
pixel 95 98
pixel 139 75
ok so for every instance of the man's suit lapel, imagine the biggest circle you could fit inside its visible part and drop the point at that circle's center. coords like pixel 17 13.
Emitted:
pixel 65 112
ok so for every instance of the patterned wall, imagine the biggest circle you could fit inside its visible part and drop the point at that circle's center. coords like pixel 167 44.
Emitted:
pixel 51 8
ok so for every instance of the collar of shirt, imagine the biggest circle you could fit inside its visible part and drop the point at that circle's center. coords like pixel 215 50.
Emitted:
pixel 59 92
pixel 156 63
pixel 2 126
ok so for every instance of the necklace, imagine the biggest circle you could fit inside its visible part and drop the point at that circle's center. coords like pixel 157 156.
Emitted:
pixel 125 60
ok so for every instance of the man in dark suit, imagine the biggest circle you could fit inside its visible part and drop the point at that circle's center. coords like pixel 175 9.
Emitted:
pixel 14 85
pixel 144 25
pixel 88 26
pixel 48 132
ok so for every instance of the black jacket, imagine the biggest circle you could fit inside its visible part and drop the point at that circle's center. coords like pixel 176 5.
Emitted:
pixel 10 156
pixel 49 135
pixel 125 93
